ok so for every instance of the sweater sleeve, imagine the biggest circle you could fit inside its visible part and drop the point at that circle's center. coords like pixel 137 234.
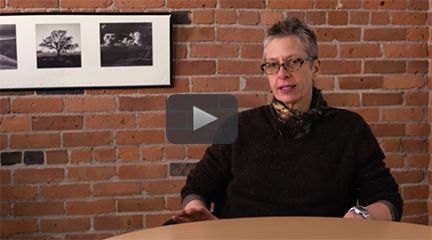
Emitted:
pixel 210 176
pixel 374 181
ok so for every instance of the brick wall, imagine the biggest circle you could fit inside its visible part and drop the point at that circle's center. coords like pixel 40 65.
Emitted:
pixel 90 163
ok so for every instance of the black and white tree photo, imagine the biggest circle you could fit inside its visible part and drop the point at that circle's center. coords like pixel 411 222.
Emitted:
pixel 8 47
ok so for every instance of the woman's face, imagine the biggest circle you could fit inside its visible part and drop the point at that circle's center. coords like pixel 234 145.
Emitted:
pixel 292 88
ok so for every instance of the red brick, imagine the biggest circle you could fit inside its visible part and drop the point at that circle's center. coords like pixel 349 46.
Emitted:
pixel 38 208
pixel 391 145
pixel 14 123
pixel 416 98
pixel 342 99
pixel 225 16
pixel 179 51
pixel 47 175
pixel 213 50
pixel 56 157
pixel 33 4
pixel 87 138
pixel 316 18
pixel 251 51
pixel 110 91
pixel 202 16
pixel 65 191
pixel 139 4
pixel 416 219
pixel 242 4
pixel 270 17
pixel 215 84
pixel 239 35
pixel 415 192
pixel 139 137
pixel 104 154
pixel 380 18
pixel 292 4
pixel 28 141
pixel 142 103
pixel 255 84
pixel 360 50
pixel 181 84
pixel 18 192
pixel 384 34
pixel 129 153
pixel 88 236
pixel 414 145
pixel 357 17
pixel 380 4
pixel 419 33
pixel 175 152
pixel 91 173
pixel 327 50
pixel 13 227
pixel 90 104
pixel 403 114
pixel 250 100
pixel 248 17
pixel 156 220
pixel 394 161
pixel 3 142
pixel 190 67
pixel 388 130
pixel 196 151
pixel 151 120
pixel 5 209
pixel 86 3
pixel 417 129
pixel 340 34
pixel 418 161
pixel 65 225
pixel 418 5
pixel 337 17
pixel 239 67
pixel 384 66
pixel 368 82
pixel 405 50
pixel 340 66
pixel 37 105
pixel 2 3
pixel 380 99
pixel 90 207
pixel 5 177
pixel 368 114
pixel 110 121
pixel 164 186
pixel 142 171
pixel 81 155
pixel 141 204
pixel 196 34
pixel 152 153
pixel 128 222
pixel 57 122
pixel 417 67
pixel 4 105
pixel 408 18
pixel 403 82
pixel 414 208
pixel 409 176
pixel 173 203
pixel 116 188
pixel 191 4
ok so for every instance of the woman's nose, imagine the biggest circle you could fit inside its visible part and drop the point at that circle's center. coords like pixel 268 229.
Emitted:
pixel 282 73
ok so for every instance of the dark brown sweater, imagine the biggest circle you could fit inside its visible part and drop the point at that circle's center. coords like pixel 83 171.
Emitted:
pixel 267 172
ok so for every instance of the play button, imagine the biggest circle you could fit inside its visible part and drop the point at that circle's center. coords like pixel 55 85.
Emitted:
pixel 201 118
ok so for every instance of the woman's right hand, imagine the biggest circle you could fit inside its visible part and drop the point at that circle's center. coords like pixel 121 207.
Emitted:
pixel 193 215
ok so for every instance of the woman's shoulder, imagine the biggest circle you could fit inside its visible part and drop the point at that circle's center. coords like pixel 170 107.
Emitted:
pixel 345 117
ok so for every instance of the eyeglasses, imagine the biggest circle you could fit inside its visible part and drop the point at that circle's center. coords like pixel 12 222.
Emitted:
pixel 290 65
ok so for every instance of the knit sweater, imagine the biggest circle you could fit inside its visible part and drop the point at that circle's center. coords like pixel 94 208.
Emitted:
pixel 267 172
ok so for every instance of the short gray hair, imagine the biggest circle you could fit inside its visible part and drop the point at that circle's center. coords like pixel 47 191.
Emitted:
pixel 294 27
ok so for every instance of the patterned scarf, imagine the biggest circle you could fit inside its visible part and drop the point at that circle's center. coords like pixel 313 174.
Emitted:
pixel 299 123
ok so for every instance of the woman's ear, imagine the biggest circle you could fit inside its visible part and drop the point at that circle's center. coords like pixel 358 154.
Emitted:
pixel 316 66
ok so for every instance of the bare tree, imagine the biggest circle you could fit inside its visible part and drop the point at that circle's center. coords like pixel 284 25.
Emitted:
pixel 58 40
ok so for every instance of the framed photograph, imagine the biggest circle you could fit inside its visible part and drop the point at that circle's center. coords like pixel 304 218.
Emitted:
pixel 85 50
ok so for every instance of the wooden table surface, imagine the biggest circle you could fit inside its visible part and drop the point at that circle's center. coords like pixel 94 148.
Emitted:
pixel 284 228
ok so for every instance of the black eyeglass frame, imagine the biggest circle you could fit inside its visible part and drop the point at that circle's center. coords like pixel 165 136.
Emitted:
pixel 302 61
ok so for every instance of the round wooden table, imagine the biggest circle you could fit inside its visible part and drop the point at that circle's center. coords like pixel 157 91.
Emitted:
pixel 284 228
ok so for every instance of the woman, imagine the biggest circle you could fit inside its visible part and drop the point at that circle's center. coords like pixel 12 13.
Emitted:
pixel 296 156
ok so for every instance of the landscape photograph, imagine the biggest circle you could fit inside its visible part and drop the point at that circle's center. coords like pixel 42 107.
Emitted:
pixel 8 47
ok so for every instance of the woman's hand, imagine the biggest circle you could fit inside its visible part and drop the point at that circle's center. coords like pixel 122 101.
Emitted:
pixel 193 215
